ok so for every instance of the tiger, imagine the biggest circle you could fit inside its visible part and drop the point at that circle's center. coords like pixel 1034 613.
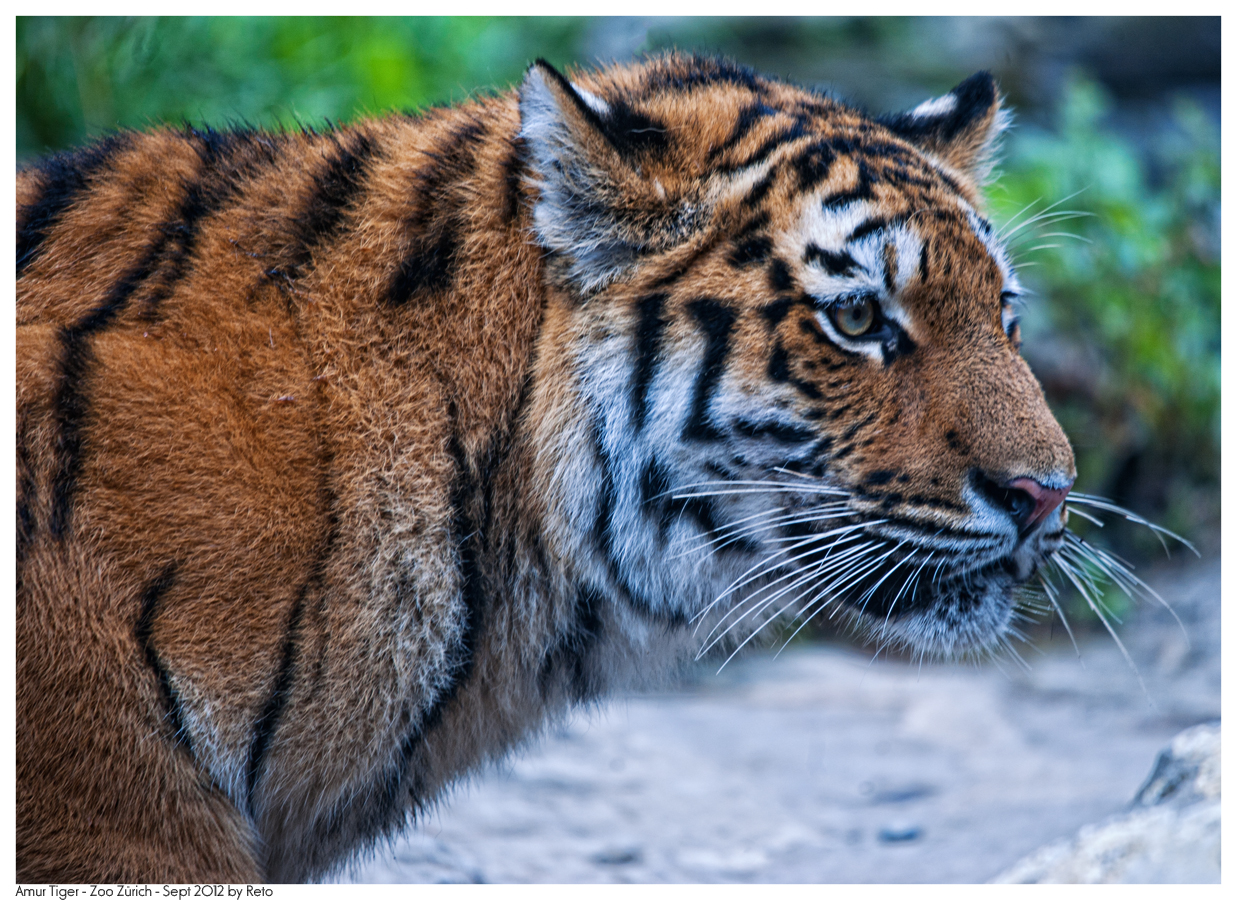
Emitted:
pixel 349 457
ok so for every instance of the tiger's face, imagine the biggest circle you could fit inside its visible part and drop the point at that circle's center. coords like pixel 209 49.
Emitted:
pixel 799 358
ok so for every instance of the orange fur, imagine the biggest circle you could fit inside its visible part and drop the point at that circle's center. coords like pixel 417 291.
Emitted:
pixel 334 449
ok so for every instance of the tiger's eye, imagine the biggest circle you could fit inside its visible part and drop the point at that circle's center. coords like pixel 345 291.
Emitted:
pixel 855 317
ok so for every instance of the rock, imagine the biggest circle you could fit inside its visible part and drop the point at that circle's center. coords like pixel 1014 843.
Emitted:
pixel 618 856
pixel 899 833
pixel 1187 771
pixel 1171 835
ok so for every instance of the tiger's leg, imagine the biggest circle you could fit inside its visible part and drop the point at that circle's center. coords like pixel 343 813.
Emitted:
pixel 107 790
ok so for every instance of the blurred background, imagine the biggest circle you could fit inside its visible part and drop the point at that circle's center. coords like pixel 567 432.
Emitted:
pixel 1117 126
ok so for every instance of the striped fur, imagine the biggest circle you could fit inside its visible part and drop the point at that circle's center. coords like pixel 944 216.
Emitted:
pixel 345 459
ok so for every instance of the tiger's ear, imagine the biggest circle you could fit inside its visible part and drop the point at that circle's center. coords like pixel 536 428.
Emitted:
pixel 595 210
pixel 960 129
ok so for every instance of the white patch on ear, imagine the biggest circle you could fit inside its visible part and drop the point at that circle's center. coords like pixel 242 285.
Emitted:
pixel 595 103
pixel 940 106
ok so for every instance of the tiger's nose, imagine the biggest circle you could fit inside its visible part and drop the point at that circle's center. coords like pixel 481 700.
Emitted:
pixel 1025 500
pixel 1029 502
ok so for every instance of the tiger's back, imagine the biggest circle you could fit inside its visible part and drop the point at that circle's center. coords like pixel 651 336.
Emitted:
pixel 344 459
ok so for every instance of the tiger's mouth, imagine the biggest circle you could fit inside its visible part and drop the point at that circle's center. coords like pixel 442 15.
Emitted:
pixel 944 607
pixel 906 586
pixel 919 597
pixel 917 580
pixel 882 596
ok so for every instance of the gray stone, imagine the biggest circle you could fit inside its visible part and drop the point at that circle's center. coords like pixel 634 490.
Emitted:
pixel 1170 836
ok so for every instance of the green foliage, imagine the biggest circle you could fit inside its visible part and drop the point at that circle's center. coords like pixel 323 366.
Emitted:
pixel 77 78
pixel 1124 333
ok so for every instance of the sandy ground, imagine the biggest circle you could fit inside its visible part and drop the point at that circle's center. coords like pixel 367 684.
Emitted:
pixel 824 766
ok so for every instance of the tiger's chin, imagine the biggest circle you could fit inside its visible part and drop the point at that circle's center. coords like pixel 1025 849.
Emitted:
pixel 961 616
pixel 939 614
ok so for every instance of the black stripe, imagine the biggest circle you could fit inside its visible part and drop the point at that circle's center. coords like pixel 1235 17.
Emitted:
pixel 716 321
pixel 861 191
pixel 759 190
pixel 698 509
pixel 898 344
pixel 698 71
pixel 632 132
pixel 720 472
pixel 841 263
pixel 861 424
pixel 468 532
pixel 654 485
pixel 70 405
pixel 227 159
pixel 467 535
pixel 923 263
pixel 812 165
pixel 890 260
pixel 513 174
pixel 766 149
pixel 806 388
pixel 27 496
pixel 755 224
pixel 748 117
pixel 948 179
pixel 776 311
pixel 660 504
pixel 281 692
pixel 402 783
pixel 603 541
pixel 65 177
pixel 933 502
pixel 751 244
pixel 469 529
pixel 650 330
pixel 317 577
pixel 778 431
pixel 780 278
pixel 870 226
pixel 683 265
pixel 844 451
pixel 655 498
pixel 174 242
pixel 334 189
pixel 571 649
pixel 149 608
pixel 428 265
pixel 779 364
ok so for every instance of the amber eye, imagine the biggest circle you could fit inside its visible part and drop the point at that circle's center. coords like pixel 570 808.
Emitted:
pixel 854 317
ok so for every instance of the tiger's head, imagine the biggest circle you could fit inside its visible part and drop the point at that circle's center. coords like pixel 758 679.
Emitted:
pixel 785 353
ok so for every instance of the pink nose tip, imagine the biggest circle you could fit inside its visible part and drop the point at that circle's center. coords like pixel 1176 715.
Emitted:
pixel 1046 499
